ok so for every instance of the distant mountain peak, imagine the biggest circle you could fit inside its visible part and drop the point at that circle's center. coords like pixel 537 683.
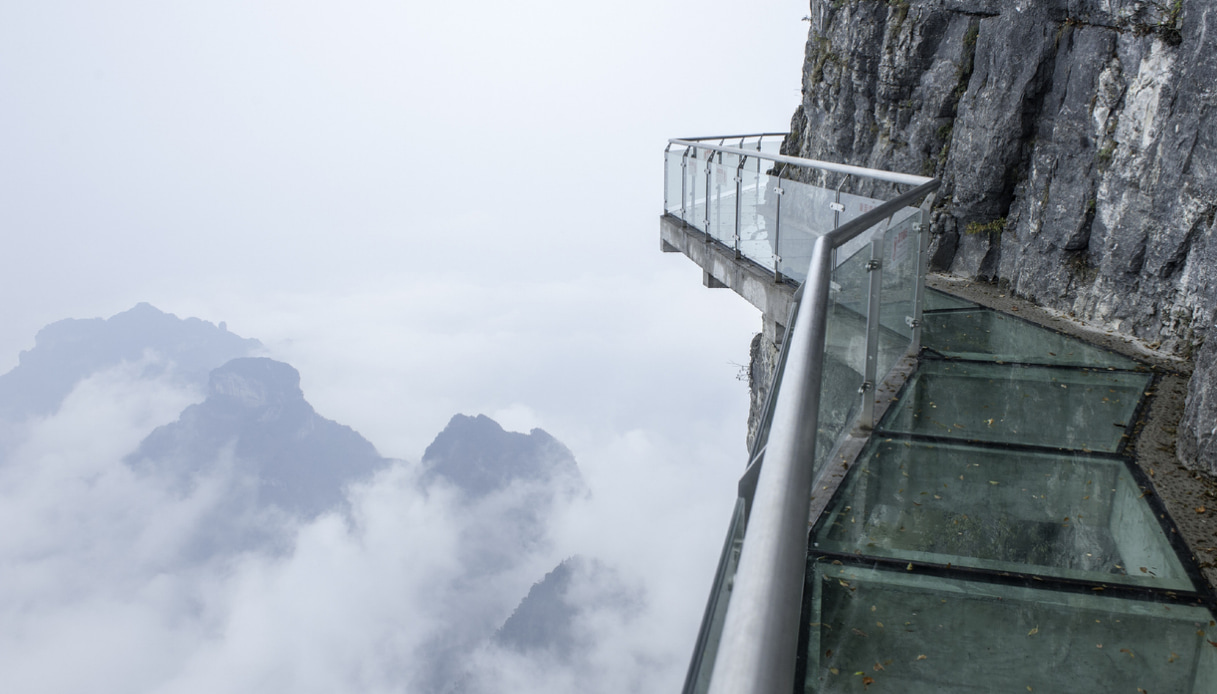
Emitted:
pixel 70 350
pixel 479 457
pixel 256 410
pixel 255 382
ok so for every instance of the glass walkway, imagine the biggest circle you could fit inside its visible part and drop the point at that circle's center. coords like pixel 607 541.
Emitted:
pixel 993 536
pixel 979 526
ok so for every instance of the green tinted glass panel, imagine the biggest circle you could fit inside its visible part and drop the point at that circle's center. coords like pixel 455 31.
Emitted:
pixel 989 335
pixel 874 630
pixel 806 215
pixel 844 353
pixel 1071 516
pixel 1042 406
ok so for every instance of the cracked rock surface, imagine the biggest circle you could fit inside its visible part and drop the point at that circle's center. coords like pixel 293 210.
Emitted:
pixel 1077 145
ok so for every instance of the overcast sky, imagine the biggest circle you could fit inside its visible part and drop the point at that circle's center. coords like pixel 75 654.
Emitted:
pixel 427 208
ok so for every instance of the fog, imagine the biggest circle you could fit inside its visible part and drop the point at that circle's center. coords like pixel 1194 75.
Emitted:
pixel 426 209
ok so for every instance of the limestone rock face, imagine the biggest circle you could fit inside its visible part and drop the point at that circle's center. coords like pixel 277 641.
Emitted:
pixel 1076 141
pixel 763 359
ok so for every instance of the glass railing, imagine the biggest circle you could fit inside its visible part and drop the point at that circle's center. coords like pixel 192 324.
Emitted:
pixel 861 261
pixel 737 192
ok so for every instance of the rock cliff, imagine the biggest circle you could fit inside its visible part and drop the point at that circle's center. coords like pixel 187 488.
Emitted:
pixel 1077 145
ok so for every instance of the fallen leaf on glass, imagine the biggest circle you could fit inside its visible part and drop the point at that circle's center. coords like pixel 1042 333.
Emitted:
pixel 1034 631
pixel 877 667
pixel 868 681
pixel 1128 651
pixel 1200 509
pixel 858 631
pixel 921 657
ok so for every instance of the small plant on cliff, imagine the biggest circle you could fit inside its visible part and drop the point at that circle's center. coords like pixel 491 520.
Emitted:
pixel 1105 154
pixel 997 225
pixel 1168 24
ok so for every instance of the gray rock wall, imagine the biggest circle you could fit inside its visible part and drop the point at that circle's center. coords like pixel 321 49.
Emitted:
pixel 762 359
pixel 1077 145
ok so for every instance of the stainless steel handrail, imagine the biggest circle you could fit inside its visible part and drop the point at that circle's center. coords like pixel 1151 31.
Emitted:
pixel 699 140
pixel 876 174
pixel 760 633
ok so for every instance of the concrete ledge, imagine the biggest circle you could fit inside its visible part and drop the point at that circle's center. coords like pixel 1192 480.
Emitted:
pixel 720 268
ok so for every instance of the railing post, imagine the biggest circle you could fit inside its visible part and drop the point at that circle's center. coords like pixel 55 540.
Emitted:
pixel 874 271
pixel 684 180
pixel 777 228
pixel 923 251
pixel 709 181
pixel 739 203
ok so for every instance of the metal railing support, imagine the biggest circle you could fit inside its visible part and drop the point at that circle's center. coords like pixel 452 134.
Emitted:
pixel 874 272
pixel 777 228
pixel 739 203
pixel 684 179
pixel 923 266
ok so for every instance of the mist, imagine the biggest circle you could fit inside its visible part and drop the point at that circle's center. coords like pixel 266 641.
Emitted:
pixel 427 210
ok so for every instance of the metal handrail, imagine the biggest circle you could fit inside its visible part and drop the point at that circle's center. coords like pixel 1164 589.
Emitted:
pixel 699 140
pixel 758 647
pixel 875 174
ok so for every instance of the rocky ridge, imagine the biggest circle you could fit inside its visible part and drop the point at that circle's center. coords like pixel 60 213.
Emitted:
pixel 1077 145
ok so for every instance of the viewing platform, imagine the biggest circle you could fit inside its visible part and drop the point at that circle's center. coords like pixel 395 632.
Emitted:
pixel 941 497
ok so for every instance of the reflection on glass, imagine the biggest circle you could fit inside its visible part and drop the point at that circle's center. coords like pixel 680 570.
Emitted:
pixel 722 195
pixel 1078 517
pixel 1034 405
pixel 806 215
pixel 910 632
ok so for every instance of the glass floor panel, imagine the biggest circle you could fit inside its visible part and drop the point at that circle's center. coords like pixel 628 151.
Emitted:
pixel 1034 405
pixel 1064 515
pixel 913 632
pixel 988 335
pixel 936 301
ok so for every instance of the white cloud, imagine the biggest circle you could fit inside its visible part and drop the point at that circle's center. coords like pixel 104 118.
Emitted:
pixel 427 209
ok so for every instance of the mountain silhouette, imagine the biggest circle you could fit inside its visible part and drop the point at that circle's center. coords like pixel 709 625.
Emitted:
pixel 256 413
pixel 479 457
pixel 67 351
